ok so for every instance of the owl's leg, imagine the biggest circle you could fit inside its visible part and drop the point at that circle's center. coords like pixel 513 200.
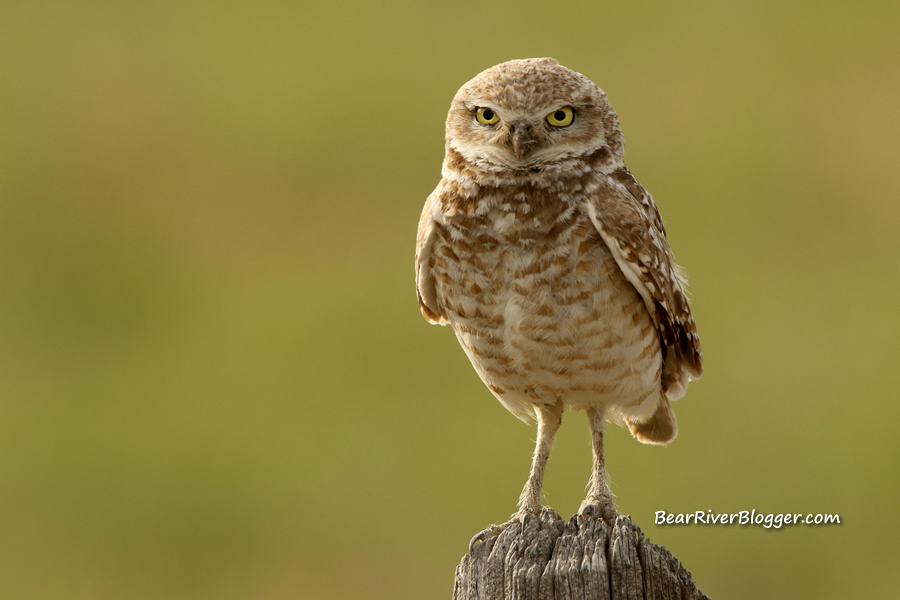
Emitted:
pixel 599 501
pixel 549 419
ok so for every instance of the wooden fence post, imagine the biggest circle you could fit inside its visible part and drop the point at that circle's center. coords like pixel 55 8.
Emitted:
pixel 546 558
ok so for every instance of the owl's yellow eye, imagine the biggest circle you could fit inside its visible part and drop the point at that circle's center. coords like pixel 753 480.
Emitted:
pixel 561 117
pixel 486 116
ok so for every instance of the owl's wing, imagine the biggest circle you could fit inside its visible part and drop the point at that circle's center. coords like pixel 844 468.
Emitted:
pixel 628 221
pixel 425 288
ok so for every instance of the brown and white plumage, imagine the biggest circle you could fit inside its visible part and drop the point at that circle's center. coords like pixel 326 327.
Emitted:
pixel 551 263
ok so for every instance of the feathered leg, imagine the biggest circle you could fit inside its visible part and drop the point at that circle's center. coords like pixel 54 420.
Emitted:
pixel 599 499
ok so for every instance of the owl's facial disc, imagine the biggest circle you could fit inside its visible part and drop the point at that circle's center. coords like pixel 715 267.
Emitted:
pixel 531 114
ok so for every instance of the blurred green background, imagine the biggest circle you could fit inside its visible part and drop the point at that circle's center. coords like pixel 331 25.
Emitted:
pixel 215 379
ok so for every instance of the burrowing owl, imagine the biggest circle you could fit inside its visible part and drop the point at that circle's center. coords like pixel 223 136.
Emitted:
pixel 550 262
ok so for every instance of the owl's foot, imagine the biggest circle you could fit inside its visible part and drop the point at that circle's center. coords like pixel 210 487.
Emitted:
pixel 592 509
pixel 486 534
pixel 495 530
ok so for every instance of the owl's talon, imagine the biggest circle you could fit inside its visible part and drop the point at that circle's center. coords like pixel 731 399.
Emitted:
pixel 495 530
pixel 479 537
pixel 486 534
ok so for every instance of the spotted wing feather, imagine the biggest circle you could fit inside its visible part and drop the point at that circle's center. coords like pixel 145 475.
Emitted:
pixel 628 221
pixel 425 288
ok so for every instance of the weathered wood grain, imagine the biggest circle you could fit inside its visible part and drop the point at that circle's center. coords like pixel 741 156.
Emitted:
pixel 545 558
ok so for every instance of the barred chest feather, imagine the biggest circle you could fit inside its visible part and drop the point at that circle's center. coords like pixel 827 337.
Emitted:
pixel 539 304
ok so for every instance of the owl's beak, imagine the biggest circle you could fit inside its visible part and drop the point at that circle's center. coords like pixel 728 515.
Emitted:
pixel 523 138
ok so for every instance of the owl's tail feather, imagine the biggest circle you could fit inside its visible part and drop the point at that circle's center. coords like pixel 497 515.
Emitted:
pixel 661 428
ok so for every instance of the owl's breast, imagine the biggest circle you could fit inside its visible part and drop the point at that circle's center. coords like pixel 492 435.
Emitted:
pixel 544 312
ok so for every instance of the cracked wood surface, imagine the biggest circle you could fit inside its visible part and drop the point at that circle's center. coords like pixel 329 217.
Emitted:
pixel 545 558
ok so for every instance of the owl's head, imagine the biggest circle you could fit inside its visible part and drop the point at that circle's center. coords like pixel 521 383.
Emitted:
pixel 531 113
